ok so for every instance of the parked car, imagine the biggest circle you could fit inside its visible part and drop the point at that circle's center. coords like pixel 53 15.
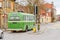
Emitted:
pixel 1 34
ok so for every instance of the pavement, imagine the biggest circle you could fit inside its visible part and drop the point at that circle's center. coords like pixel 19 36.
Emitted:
pixel 50 31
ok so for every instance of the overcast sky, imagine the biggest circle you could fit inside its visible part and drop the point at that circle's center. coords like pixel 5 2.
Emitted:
pixel 56 4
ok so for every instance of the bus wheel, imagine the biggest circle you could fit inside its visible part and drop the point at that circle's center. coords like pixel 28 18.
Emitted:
pixel 26 28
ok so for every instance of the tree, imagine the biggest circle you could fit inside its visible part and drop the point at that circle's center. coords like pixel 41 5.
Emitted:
pixel 30 5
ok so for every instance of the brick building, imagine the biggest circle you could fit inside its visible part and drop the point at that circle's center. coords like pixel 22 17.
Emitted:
pixel 48 14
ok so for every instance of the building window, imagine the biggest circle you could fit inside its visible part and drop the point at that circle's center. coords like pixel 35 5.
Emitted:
pixel 0 4
pixel 7 4
pixel 48 9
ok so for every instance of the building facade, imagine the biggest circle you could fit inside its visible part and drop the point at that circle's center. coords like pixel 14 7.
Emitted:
pixel 48 14
pixel 6 6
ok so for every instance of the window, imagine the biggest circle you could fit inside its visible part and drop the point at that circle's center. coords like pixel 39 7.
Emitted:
pixel 14 14
pixel 34 18
pixel 48 9
pixel 31 18
pixel 12 18
pixel 0 4
pixel 24 18
pixel 17 18
pixel 7 4
pixel 28 18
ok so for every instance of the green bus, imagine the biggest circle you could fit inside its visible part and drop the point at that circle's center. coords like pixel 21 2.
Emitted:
pixel 20 21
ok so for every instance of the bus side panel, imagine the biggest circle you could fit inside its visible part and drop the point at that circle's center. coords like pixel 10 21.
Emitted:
pixel 30 25
pixel 13 26
pixel 18 25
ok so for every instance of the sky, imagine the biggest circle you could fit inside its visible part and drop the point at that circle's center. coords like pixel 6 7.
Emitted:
pixel 56 4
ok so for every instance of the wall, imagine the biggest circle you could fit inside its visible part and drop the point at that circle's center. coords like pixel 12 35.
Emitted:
pixel 7 6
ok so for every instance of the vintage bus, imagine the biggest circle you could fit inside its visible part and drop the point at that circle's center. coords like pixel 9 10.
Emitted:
pixel 20 21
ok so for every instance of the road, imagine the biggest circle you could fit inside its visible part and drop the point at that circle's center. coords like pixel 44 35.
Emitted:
pixel 49 31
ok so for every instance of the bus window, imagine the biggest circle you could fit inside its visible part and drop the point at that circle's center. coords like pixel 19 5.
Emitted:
pixel 27 18
pixel 17 18
pixel 11 18
pixel 24 17
pixel 34 18
pixel 31 18
pixel 14 14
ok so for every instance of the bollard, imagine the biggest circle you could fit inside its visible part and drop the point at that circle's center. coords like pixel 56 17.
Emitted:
pixel 34 30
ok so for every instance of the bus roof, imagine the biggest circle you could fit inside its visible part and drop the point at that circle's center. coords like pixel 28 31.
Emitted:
pixel 22 13
pixel 26 14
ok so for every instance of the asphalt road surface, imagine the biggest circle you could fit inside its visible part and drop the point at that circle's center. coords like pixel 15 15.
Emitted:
pixel 49 31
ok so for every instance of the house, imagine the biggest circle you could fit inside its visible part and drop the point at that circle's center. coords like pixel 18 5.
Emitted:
pixel 48 14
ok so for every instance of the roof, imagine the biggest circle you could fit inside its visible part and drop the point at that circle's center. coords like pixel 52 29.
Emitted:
pixel 22 13
pixel 26 14
pixel 48 5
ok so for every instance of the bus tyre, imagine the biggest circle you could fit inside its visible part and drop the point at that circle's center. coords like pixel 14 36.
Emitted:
pixel 26 28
